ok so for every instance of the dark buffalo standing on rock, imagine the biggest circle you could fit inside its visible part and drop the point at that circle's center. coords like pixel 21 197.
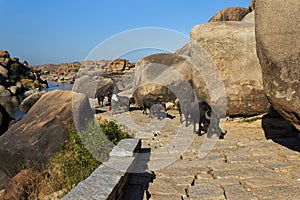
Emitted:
pixel 105 90
pixel 201 113
pixel 155 107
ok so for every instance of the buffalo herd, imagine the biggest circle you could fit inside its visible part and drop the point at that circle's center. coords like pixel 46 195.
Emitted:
pixel 192 112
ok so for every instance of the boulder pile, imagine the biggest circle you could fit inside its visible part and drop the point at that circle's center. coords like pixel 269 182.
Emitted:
pixel 16 78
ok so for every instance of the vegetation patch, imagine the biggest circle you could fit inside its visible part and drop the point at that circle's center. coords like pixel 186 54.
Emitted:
pixel 76 160
pixel 83 153
pixel 15 66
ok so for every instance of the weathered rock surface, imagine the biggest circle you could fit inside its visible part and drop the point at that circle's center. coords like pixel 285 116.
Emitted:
pixel 249 18
pixel 230 14
pixel 166 75
pixel 39 134
pixel 278 42
pixel 231 46
pixel 3 71
pixel 29 101
pixel 4 179
pixel 5 120
pixel 119 66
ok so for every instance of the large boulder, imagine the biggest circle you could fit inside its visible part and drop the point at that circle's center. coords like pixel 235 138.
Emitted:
pixel 167 76
pixel 39 134
pixel 29 101
pixel 232 47
pixel 278 42
pixel 5 120
pixel 230 14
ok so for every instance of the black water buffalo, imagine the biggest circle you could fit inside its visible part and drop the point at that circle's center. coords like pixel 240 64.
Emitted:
pixel 201 113
pixel 101 94
pixel 156 108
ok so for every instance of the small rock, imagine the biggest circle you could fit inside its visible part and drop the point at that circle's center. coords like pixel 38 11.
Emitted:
pixel 13 90
pixel 156 133
pixel 3 71
pixel 240 144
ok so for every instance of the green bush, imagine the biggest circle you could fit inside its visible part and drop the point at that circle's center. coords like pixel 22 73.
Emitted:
pixel 15 66
pixel 113 132
pixel 14 78
pixel 85 151
pixel 75 161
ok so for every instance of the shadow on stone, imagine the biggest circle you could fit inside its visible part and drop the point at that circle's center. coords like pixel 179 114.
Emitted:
pixel 139 178
pixel 280 130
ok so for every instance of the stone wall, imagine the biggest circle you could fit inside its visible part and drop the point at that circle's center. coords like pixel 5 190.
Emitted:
pixel 108 180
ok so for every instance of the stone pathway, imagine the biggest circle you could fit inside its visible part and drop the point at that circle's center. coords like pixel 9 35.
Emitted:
pixel 242 166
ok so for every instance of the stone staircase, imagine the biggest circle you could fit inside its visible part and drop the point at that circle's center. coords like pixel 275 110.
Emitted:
pixel 177 164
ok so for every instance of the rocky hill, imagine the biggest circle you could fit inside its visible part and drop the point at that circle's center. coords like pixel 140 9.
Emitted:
pixel 67 72
pixel 16 78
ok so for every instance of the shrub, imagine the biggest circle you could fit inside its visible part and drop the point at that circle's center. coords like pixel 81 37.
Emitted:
pixel 15 66
pixel 74 161
pixel 113 132
pixel 14 78
pixel 84 152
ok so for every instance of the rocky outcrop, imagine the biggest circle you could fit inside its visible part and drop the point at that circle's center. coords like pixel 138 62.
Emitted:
pixel 277 41
pixel 39 134
pixel 231 46
pixel 119 66
pixel 5 120
pixel 16 77
pixel 65 72
pixel 230 14
pixel 29 101
pixel 68 72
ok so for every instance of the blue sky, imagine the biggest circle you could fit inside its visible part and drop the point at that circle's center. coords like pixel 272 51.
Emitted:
pixel 57 31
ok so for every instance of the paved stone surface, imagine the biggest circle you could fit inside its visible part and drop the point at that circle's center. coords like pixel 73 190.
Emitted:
pixel 244 165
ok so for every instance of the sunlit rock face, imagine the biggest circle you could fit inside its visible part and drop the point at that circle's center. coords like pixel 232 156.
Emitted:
pixel 278 49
